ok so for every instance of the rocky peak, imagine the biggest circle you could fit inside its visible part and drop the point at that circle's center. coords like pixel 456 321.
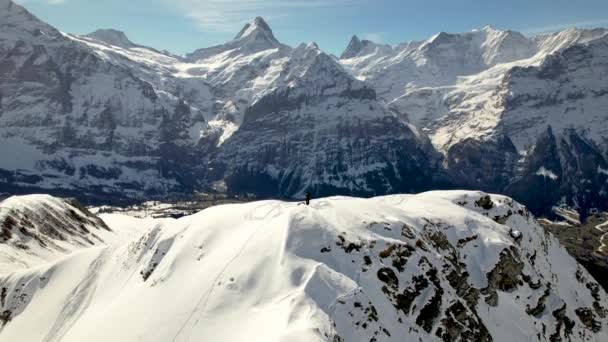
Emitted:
pixel 505 46
pixel 112 37
pixel 257 29
pixel 356 47
pixel 16 23
pixel 353 48
pixel 254 37
pixel 489 28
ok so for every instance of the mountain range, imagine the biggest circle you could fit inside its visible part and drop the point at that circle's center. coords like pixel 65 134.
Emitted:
pixel 105 119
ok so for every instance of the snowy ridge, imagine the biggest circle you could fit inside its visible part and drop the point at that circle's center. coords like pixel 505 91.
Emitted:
pixel 439 266
pixel 493 95
pixel 39 228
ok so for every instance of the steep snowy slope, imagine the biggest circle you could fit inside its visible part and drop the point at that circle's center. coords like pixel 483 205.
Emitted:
pixel 439 266
pixel 435 62
pixel 149 122
pixel 548 116
pixel 426 80
pixel 321 130
pixel 73 119
pixel 326 147
pixel 504 108
pixel 35 229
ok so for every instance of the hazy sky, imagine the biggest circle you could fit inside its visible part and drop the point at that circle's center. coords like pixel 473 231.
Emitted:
pixel 182 26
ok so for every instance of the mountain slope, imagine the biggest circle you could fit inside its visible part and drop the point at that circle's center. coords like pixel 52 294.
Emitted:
pixel 322 131
pixel 36 229
pixel 439 266
pixel 108 137
pixel 74 119
pixel 552 116
pixel 487 100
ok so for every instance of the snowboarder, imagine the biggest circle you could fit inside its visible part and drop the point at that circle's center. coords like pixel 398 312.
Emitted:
pixel 307 198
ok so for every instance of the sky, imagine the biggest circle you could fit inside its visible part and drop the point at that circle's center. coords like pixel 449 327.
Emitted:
pixel 182 26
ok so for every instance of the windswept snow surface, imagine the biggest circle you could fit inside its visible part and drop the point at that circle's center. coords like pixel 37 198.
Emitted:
pixel 406 267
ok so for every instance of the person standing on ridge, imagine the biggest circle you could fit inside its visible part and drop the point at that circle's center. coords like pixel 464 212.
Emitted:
pixel 307 198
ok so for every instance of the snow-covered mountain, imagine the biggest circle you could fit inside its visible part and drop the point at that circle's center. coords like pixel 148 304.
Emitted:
pixel 323 131
pixel 35 229
pixel 504 108
pixel 100 116
pixel 439 266
pixel 76 117
pixel 146 115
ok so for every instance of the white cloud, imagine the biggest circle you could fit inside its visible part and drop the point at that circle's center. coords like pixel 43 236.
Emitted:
pixel 374 37
pixel 558 27
pixel 230 15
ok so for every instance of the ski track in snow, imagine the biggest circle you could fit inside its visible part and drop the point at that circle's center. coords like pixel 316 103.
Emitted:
pixel 204 299
pixel 78 300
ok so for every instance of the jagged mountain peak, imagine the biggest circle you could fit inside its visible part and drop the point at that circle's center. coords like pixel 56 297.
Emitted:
pixel 357 47
pixel 489 28
pixel 353 48
pixel 257 28
pixel 254 37
pixel 311 46
pixel 112 37
pixel 17 22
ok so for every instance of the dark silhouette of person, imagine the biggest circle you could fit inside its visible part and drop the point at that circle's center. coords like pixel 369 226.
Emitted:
pixel 307 198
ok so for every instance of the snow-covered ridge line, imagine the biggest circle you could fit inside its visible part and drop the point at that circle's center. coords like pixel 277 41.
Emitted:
pixel 438 266
pixel 36 229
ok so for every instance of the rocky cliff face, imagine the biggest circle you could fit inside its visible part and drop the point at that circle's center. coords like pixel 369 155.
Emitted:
pixel 111 124
pixel 74 120
pixel 39 228
pixel 324 132
pixel 522 113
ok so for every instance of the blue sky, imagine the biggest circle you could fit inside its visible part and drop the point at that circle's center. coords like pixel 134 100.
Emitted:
pixel 182 26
